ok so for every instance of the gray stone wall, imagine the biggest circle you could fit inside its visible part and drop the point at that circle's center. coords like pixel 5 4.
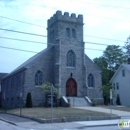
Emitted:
pixel 11 90
pixel 52 62
pixel 58 23
pixel 44 63
pixel 93 93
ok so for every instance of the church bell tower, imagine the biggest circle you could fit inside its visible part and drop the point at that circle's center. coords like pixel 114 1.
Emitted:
pixel 65 34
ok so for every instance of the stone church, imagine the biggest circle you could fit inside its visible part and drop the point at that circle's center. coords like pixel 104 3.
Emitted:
pixel 63 63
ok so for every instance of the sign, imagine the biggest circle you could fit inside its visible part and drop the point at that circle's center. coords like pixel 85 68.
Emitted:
pixel 123 124
pixel 110 93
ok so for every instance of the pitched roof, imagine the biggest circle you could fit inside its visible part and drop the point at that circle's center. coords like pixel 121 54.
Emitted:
pixel 126 66
pixel 2 75
pixel 26 63
pixel 93 63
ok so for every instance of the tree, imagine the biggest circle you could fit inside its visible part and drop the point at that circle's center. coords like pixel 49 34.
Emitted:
pixel 127 46
pixel 102 64
pixel 106 93
pixel 29 100
pixel 109 62
pixel 46 88
pixel 114 56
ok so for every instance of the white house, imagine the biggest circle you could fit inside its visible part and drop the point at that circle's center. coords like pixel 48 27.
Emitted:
pixel 121 84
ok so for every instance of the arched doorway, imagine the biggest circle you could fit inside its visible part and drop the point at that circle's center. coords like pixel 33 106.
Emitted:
pixel 71 87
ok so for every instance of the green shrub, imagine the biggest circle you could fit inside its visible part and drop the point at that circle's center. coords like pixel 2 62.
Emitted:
pixel 29 100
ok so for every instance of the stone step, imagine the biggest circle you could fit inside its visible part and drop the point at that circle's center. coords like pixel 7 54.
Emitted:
pixel 78 101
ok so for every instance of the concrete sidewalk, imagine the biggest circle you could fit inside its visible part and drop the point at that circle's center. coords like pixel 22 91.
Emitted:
pixel 105 110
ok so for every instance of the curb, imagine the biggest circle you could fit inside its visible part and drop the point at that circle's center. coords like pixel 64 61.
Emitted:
pixel 82 127
pixel 72 119
pixel 10 122
pixel 65 119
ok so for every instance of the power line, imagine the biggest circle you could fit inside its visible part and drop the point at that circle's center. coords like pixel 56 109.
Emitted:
pixel 112 6
pixel 52 8
pixel 23 32
pixel 48 43
pixel 22 21
pixel 99 44
pixel 46 36
pixel 87 13
pixel 104 38
pixel 10 48
pixel 22 40
pixel 107 17
pixel 94 49
pixel 17 49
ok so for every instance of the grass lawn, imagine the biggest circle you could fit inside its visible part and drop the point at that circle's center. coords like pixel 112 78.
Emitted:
pixel 58 112
pixel 121 108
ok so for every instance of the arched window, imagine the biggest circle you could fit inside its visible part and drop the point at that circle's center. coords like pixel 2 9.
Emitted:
pixel 38 78
pixel 71 59
pixel 90 80
pixel 68 32
pixel 73 33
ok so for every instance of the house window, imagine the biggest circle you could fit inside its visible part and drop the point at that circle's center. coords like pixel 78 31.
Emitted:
pixel 38 78
pixel 117 86
pixel 67 32
pixel 90 80
pixel 123 73
pixel 71 59
pixel 73 33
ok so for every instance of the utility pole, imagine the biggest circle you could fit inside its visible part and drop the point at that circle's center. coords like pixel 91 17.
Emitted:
pixel 52 91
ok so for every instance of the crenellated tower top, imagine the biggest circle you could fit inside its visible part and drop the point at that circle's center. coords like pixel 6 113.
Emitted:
pixel 65 17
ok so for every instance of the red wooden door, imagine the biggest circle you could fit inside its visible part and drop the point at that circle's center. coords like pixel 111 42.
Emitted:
pixel 71 87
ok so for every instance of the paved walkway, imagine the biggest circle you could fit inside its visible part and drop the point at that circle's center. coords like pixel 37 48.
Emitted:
pixel 105 110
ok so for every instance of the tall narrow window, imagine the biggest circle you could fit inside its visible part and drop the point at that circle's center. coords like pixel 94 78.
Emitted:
pixel 68 32
pixel 90 80
pixel 123 73
pixel 71 59
pixel 73 33
pixel 38 78
pixel 117 86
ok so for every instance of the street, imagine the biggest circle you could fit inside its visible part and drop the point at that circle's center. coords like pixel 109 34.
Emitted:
pixel 55 126
pixel 8 126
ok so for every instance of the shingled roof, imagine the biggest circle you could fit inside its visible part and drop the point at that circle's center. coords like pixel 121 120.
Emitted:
pixel 26 63
pixel 2 75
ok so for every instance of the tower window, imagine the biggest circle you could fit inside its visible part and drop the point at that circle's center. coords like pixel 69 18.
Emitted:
pixel 38 78
pixel 90 80
pixel 68 32
pixel 71 59
pixel 73 33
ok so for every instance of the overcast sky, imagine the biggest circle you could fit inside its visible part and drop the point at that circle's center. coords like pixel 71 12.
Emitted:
pixel 102 19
